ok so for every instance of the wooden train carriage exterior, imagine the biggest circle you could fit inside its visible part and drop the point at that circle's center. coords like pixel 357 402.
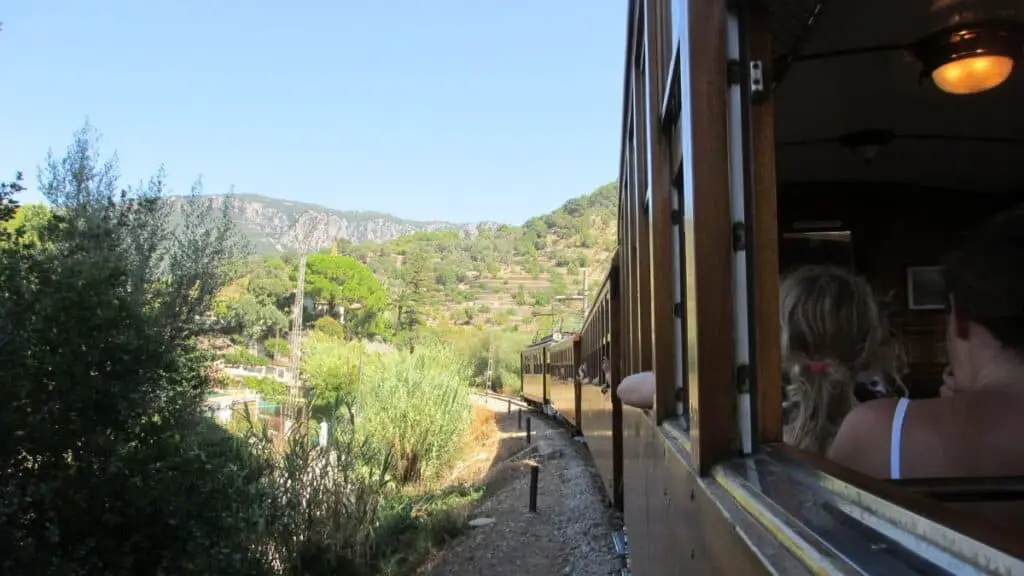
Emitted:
pixel 533 369
pixel 562 393
pixel 708 486
pixel 600 411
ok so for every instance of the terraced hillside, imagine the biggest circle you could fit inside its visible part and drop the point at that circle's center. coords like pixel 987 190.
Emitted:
pixel 508 276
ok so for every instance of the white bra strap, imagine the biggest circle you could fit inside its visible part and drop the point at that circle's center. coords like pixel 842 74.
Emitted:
pixel 897 436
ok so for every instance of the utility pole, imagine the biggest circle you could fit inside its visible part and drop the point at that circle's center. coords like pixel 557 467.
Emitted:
pixel 585 297
pixel 488 376
pixel 296 391
pixel 586 294
pixel 296 388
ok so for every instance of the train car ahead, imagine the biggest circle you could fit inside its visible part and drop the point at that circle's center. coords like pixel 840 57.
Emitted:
pixel 563 385
pixel 533 369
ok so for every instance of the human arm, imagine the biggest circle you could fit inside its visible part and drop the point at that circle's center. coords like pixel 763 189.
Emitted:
pixel 637 390
pixel 862 443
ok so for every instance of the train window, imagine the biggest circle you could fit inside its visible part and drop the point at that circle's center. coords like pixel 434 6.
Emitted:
pixel 886 179
pixel 788 136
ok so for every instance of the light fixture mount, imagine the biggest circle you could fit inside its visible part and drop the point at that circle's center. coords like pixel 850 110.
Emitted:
pixel 972 57
pixel 867 143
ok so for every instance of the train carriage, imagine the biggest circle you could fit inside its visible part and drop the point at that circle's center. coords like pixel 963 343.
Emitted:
pixel 600 413
pixel 562 394
pixel 756 137
pixel 533 367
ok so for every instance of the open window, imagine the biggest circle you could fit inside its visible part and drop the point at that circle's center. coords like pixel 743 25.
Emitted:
pixel 883 132
pixel 795 132
pixel 894 136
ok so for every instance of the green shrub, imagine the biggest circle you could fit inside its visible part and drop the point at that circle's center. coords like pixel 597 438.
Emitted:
pixel 329 326
pixel 242 357
pixel 509 382
pixel 277 347
pixel 270 389
pixel 108 467
pixel 330 366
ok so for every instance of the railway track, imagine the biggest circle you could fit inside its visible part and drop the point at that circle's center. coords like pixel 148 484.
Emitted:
pixel 619 539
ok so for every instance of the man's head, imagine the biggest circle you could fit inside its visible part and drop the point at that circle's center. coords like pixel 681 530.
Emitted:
pixel 985 282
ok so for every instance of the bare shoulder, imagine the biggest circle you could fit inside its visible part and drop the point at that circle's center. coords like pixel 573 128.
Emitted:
pixel 862 442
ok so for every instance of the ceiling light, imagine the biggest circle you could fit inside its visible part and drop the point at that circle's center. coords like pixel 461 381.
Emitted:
pixel 971 58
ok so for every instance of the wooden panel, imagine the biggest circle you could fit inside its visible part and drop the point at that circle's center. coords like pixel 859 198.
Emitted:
pixel 597 429
pixel 660 237
pixel 561 391
pixel 577 397
pixel 599 414
pixel 533 381
pixel 763 229
pixel 635 490
pixel 629 351
pixel 546 375
pixel 675 526
pixel 969 526
pixel 642 241
pixel 614 349
pixel 708 239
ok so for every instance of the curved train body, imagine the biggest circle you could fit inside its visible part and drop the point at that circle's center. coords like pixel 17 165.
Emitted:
pixel 756 137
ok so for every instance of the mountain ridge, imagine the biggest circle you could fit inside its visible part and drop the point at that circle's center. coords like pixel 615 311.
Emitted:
pixel 279 225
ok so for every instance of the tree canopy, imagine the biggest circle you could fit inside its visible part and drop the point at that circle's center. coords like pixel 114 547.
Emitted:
pixel 108 457
pixel 344 281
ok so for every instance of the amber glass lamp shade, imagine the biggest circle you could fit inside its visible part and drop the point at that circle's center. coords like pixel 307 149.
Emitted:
pixel 974 74
pixel 971 58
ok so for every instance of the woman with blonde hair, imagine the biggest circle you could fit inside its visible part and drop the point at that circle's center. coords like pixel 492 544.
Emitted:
pixel 837 351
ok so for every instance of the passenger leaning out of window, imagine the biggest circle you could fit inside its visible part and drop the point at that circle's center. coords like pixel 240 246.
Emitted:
pixel 974 429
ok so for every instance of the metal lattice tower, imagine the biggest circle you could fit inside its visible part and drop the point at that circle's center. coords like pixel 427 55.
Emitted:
pixel 296 388
pixel 489 375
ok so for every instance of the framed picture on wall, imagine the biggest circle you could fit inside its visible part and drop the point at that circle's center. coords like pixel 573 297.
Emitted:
pixel 926 288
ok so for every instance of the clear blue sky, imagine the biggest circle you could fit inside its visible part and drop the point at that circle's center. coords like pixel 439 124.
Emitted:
pixel 459 110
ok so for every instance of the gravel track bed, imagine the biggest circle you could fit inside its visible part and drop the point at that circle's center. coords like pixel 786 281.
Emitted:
pixel 571 531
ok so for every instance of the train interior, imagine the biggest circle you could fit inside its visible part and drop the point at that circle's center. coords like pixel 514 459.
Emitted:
pixel 898 128
pixel 881 169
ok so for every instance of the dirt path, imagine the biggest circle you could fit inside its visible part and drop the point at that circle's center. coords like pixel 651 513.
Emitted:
pixel 571 531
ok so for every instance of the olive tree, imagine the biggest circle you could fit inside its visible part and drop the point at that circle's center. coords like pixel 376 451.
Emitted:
pixel 109 466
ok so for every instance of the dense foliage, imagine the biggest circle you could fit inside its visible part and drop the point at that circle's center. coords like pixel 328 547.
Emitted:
pixel 114 305
pixel 501 277
pixel 109 467
pixel 507 277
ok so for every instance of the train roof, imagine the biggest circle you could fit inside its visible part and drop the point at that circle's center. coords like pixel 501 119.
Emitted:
pixel 552 339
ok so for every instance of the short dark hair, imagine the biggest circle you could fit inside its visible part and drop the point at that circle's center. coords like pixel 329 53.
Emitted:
pixel 985 278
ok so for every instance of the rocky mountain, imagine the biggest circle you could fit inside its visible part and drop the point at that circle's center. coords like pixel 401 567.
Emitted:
pixel 275 225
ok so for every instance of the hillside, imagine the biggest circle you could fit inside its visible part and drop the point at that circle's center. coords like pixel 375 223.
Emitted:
pixel 445 276
pixel 275 225
pixel 505 276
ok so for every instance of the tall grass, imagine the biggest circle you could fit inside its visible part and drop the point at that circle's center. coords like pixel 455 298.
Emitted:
pixel 417 406
pixel 323 518
pixel 347 508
